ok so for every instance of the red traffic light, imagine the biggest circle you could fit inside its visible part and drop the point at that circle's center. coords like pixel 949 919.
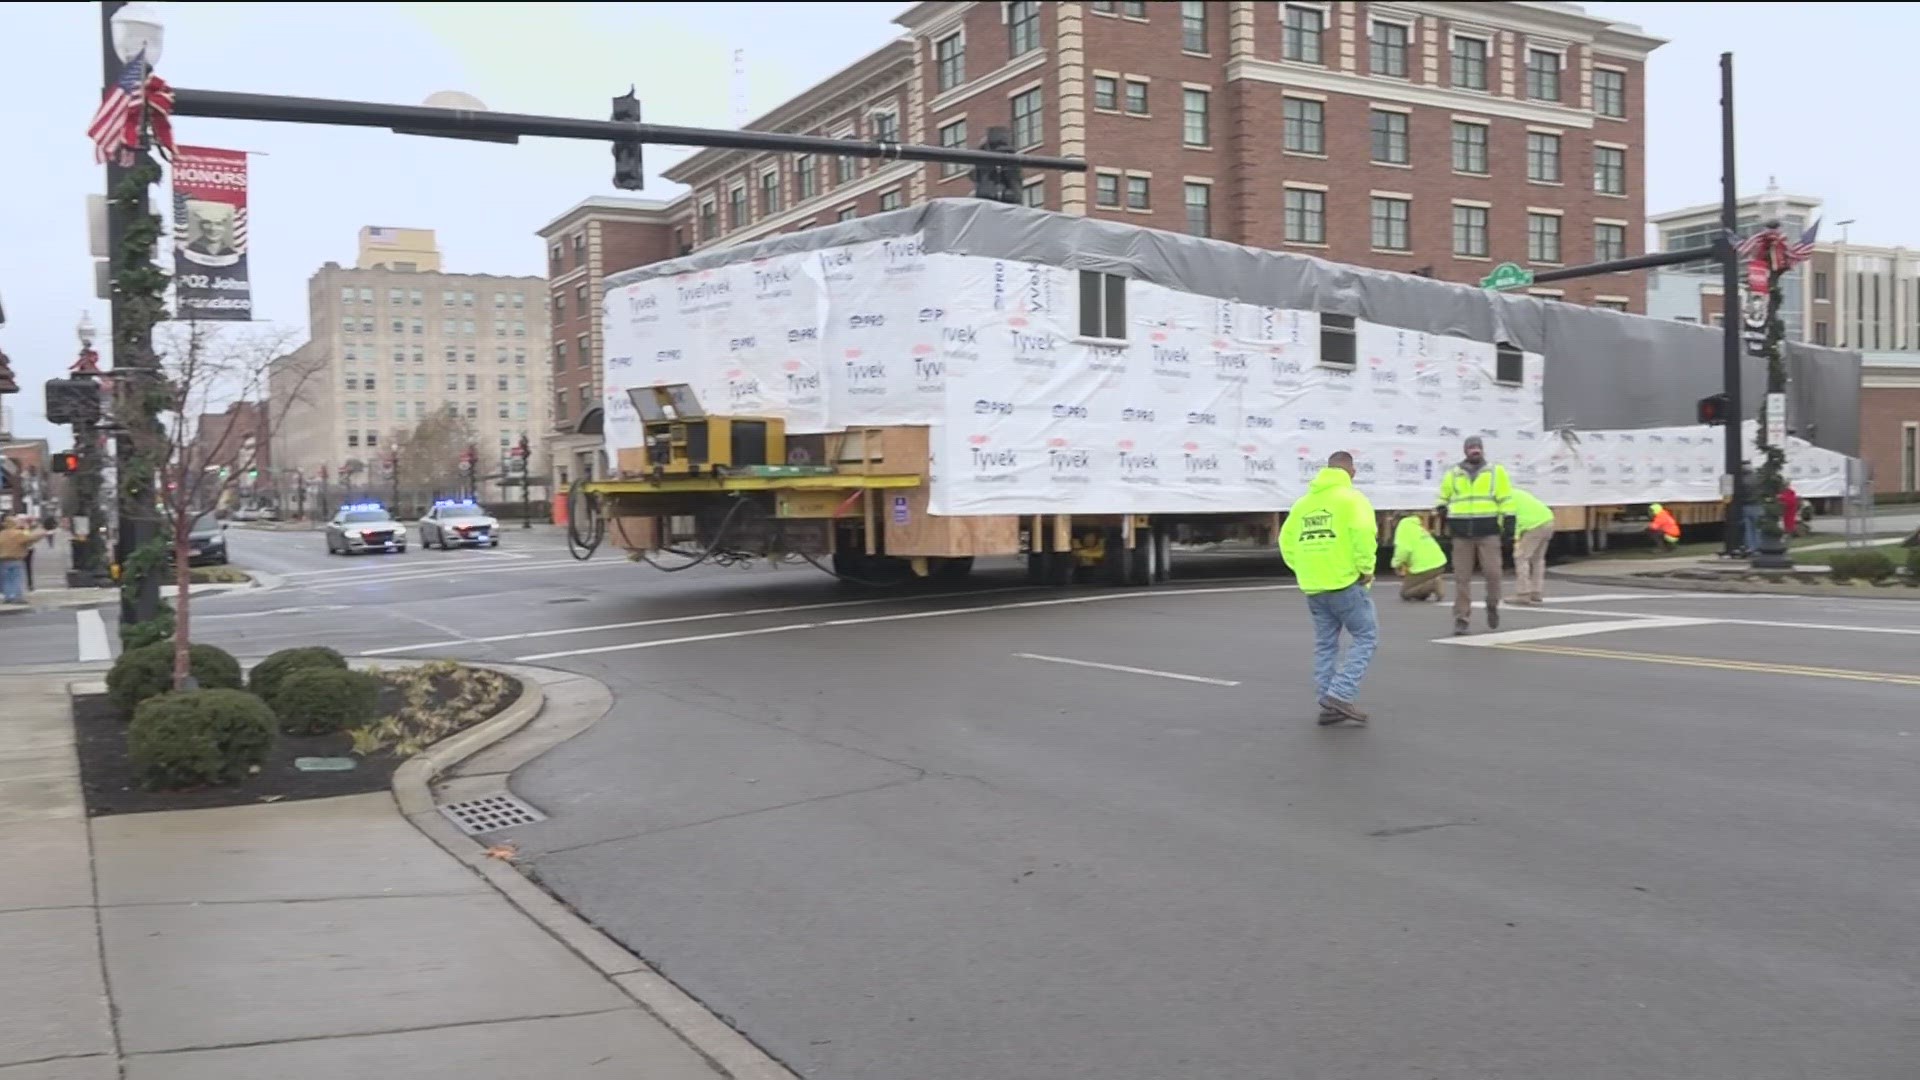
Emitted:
pixel 68 462
pixel 1713 410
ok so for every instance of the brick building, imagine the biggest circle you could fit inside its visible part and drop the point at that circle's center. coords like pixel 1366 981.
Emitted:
pixel 235 438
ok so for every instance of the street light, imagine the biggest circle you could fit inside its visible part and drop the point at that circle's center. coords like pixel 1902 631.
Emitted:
pixel 137 31
pixel 84 330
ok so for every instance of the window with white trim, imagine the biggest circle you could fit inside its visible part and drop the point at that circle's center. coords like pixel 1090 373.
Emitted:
pixel 1028 129
pixel 1543 74
pixel 1199 206
pixel 950 61
pixel 954 137
pixel 1543 238
pixel 1103 306
pixel 1390 219
pixel 1304 216
pixel 1470 231
pixel 1023 28
pixel 1609 242
pixel 1543 157
pixel 1304 28
pixel 1195 129
pixel 1610 92
pixel 1610 170
pixel 1387 49
pixel 1389 131
pixel 1106 190
pixel 1137 195
pixel 1304 126
pixel 1469 148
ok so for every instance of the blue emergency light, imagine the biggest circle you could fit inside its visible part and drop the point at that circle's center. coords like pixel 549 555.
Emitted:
pixel 442 504
pixel 363 506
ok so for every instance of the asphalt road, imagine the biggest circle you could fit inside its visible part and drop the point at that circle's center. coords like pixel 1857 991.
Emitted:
pixel 1630 836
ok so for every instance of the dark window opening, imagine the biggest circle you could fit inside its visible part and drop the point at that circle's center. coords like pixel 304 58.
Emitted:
pixel 1509 364
pixel 1338 344
pixel 1103 305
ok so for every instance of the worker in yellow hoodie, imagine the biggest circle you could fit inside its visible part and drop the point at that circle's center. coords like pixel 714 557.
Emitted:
pixel 1532 531
pixel 1418 560
pixel 1330 540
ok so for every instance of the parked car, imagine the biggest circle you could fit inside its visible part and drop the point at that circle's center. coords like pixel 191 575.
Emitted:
pixel 363 527
pixel 207 541
pixel 458 522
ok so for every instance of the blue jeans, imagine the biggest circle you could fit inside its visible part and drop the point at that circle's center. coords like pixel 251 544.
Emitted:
pixel 1350 609
pixel 13 581
pixel 1750 526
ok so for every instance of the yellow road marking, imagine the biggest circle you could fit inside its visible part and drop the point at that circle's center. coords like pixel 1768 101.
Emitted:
pixel 1756 666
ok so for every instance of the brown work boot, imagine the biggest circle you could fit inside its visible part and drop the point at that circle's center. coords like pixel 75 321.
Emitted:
pixel 1344 709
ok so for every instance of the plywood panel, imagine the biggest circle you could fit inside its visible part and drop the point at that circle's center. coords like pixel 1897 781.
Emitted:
pixel 910 530
pixel 631 533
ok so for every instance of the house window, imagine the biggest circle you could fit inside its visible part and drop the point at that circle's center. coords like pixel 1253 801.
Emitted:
pixel 1137 193
pixel 1339 340
pixel 1509 364
pixel 890 200
pixel 1470 231
pixel 1387 49
pixel 1103 306
pixel 1106 92
pixel 804 178
pixel 1389 137
pixel 1136 97
pixel 1193 26
pixel 1027 129
pixel 1106 189
pixel 1194 127
pixel 1820 285
pixel 1543 157
pixel 1609 242
pixel 1034 193
pixel 1389 221
pixel 1199 209
pixel 1305 217
pixel 736 208
pixel 950 61
pixel 709 220
pixel 1610 92
pixel 1305 127
pixel 1543 75
pixel 1819 333
pixel 1543 238
pixel 847 213
pixel 1023 27
pixel 770 193
pixel 1469 148
pixel 953 136
pixel 1304 27
pixel 886 127
pixel 1610 170
pixel 1469 64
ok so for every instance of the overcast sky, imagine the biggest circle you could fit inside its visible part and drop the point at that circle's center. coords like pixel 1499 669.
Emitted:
pixel 1814 79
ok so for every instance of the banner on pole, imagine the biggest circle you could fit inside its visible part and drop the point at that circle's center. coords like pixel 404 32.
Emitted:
pixel 210 277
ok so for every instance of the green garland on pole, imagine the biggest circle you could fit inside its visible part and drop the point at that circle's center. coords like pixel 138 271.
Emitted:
pixel 1773 465
pixel 140 289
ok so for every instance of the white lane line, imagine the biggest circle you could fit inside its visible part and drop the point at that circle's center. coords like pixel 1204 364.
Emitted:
pixel 197 617
pixel 1124 668
pixel 1094 599
pixel 437 574
pixel 93 636
pixel 1569 630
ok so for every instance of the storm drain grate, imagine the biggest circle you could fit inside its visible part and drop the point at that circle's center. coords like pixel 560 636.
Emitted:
pixel 495 812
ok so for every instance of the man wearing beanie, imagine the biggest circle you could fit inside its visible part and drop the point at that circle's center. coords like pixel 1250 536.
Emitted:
pixel 1473 496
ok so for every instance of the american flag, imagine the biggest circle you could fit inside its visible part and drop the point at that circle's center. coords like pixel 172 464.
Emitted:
pixel 1770 245
pixel 136 94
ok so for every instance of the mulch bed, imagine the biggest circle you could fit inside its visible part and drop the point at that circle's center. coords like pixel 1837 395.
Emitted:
pixel 108 782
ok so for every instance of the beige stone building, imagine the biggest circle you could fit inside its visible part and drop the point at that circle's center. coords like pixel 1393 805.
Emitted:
pixel 393 339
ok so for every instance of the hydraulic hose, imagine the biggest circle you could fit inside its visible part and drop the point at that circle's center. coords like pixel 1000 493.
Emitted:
pixel 583 509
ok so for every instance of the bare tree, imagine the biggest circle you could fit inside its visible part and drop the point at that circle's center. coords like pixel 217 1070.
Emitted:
pixel 200 369
pixel 427 458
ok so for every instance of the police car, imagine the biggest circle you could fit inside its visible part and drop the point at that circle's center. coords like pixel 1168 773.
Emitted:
pixel 458 522
pixel 362 527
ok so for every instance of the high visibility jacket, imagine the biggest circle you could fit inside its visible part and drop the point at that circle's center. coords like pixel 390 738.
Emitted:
pixel 1330 538
pixel 1528 512
pixel 1414 548
pixel 1475 502
pixel 1664 524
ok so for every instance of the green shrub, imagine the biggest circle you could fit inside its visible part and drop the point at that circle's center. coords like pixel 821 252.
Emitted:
pixel 199 737
pixel 1913 566
pixel 267 675
pixel 1865 565
pixel 148 670
pixel 140 634
pixel 318 701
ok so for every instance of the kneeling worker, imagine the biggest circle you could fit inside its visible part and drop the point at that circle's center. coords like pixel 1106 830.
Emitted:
pixel 1417 558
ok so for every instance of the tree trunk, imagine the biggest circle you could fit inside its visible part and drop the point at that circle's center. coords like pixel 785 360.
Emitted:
pixel 182 579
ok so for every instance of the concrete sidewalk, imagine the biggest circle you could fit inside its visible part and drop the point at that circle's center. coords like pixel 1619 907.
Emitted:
pixel 303 941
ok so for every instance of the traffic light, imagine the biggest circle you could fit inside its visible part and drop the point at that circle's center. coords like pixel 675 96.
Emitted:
pixel 628 174
pixel 1713 409
pixel 1000 183
pixel 73 401
pixel 66 462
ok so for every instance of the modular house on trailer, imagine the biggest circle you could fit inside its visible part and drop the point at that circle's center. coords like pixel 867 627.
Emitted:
pixel 969 378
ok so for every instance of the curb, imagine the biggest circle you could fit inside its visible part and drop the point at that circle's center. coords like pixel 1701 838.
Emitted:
pixel 726 1049
pixel 1630 581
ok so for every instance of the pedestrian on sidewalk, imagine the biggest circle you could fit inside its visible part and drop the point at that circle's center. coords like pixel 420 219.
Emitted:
pixel 1532 532
pixel 1331 542
pixel 1417 558
pixel 1473 496
pixel 17 538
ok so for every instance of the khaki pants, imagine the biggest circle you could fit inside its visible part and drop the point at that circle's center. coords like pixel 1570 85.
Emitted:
pixel 1530 560
pixel 1423 585
pixel 1483 551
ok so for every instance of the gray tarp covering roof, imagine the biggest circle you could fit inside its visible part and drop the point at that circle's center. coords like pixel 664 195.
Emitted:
pixel 1604 369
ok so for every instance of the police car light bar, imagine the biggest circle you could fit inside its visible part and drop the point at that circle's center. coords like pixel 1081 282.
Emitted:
pixel 363 506
pixel 439 504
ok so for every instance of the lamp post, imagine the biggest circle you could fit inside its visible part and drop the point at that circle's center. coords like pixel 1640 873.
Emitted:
pixel 88 528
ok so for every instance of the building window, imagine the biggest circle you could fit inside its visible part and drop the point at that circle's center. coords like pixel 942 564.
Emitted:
pixel 737 208
pixel 352 380
pixel 583 348
pixel 1304 27
pixel 366 296
pixel 415 298
pixel 1306 216
pixel 1339 340
pixel 1103 306
pixel 346 294
pixel 886 127
pixel 770 193
pixel 553 256
pixel 1820 285
pixel 1193 26
pixel 1027 130
pixel 1543 238
pixel 368 382
pixel 709 220
pixel 1106 92
pixel 1819 333
pixel 453 382
pixel 1023 27
pixel 580 298
pixel 473 382
pixel 500 412
pixel 890 200
pixel 1106 189
pixel 1609 170
pixel 1387 49
pixel 1194 129
pixel 1543 75
pixel 953 136
pixel 1137 198
pixel 449 298
pixel 1469 148
pixel 399 326
pixel 1610 92
pixel 1199 209
pixel 396 297
pixel 1609 242
pixel 843 165
pixel 1034 193
pixel 366 326
pixel 353 440
pixel 1608 305
pixel 804 179
pixel 348 325
pixel 1389 219
pixel 579 245
pixel 1134 9
pixel 579 248
pixel 1543 157
pixel 1469 64
pixel 1305 126
pixel 1136 97
pixel 1389 137
pixel 950 61
pixel 1470 231
pixel 847 213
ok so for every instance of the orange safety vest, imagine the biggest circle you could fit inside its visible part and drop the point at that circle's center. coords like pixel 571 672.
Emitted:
pixel 1664 524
